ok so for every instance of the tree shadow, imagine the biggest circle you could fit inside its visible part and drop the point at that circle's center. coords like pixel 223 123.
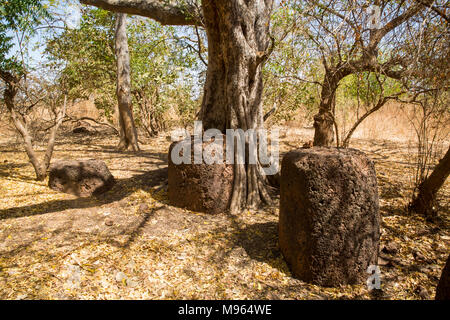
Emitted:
pixel 105 149
pixel 262 245
pixel 259 241
pixel 390 191
pixel 137 230
pixel 7 168
pixel 122 189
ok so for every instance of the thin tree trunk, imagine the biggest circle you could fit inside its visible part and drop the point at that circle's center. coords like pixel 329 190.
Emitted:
pixel 377 107
pixel 128 132
pixel 52 138
pixel 9 95
pixel 238 44
pixel 21 126
pixel 424 201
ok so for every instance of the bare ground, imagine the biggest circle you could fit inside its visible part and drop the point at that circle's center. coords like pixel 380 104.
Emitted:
pixel 130 244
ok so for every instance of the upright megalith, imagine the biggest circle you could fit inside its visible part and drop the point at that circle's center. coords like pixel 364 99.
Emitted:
pixel 329 227
pixel 200 186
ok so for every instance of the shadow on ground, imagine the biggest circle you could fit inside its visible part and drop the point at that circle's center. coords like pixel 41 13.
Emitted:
pixel 122 189
pixel 9 170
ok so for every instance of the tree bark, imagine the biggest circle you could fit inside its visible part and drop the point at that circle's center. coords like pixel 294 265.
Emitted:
pixel 238 44
pixel 166 12
pixel 324 120
pixel 128 132
pixel 52 138
pixel 425 199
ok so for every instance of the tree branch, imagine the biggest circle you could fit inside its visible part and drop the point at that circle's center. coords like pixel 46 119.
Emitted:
pixel 439 12
pixel 268 114
pixel 395 22
pixel 166 12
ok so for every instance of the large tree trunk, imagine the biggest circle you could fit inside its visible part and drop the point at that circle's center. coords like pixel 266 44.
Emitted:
pixel 424 201
pixel 238 44
pixel 128 133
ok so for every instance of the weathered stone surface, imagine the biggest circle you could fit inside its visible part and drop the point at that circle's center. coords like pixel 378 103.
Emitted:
pixel 200 187
pixel 81 130
pixel 329 225
pixel 82 178
pixel 443 288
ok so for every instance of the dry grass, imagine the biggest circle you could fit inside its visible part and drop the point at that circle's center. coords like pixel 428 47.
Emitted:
pixel 130 244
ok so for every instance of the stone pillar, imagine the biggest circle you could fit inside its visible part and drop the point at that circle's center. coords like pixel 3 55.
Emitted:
pixel 200 187
pixel 329 226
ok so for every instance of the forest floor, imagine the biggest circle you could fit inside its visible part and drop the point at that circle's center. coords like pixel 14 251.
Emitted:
pixel 131 244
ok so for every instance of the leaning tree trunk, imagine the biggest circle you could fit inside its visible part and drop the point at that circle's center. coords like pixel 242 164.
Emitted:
pixel 128 133
pixel 238 44
pixel 424 200
pixel 377 107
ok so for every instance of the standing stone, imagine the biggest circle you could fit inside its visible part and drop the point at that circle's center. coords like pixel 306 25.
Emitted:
pixel 200 187
pixel 82 178
pixel 443 288
pixel 329 226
